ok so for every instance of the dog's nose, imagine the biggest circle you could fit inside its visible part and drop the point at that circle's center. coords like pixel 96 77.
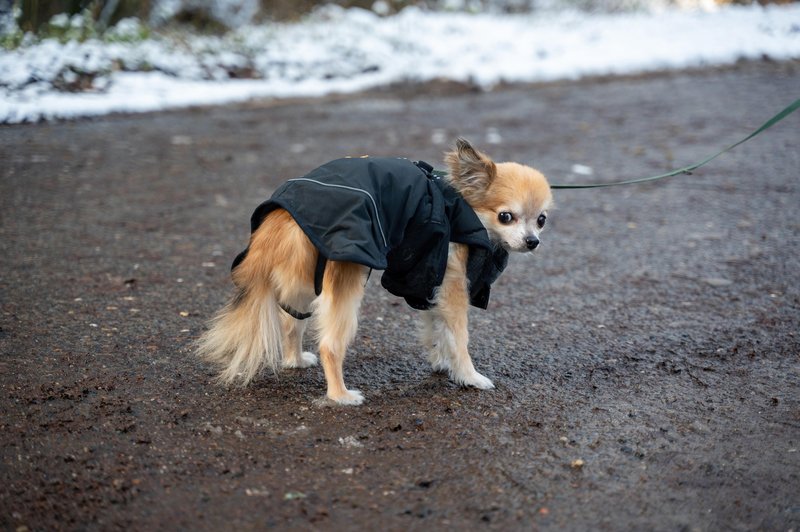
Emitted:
pixel 531 242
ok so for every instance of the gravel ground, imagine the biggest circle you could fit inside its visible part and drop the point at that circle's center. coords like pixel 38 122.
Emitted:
pixel 646 357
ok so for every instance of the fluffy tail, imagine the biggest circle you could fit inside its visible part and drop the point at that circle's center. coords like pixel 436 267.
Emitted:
pixel 245 336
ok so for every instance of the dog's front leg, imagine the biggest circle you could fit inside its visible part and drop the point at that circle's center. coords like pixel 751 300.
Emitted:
pixel 446 331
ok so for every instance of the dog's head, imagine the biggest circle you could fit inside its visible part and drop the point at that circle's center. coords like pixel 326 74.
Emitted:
pixel 510 199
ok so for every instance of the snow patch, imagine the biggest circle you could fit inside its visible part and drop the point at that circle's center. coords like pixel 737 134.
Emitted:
pixel 348 50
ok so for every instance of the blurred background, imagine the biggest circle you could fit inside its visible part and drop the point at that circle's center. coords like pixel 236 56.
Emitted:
pixel 76 58
pixel 221 15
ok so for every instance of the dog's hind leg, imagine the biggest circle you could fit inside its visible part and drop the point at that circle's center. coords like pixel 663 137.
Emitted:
pixel 336 312
pixel 449 322
pixel 298 297
pixel 293 354
pixel 293 259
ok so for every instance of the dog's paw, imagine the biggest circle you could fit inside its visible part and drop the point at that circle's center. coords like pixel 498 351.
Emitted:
pixel 306 360
pixel 477 380
pixel 350 398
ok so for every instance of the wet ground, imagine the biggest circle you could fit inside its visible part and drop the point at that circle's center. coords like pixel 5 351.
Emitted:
pixel 646 358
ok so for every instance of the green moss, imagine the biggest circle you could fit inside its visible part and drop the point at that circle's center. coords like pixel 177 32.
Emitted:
pixel 11 40
pixel 65 28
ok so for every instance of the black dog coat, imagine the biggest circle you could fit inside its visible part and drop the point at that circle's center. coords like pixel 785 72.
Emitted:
pixel 392 215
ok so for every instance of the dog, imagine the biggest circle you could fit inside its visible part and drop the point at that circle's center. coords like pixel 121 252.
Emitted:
pixel 441 242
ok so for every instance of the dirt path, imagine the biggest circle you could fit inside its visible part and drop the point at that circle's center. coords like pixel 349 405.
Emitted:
pixel 654 336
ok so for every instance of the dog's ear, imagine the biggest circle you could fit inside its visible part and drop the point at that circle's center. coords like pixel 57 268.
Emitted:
pixel 471 172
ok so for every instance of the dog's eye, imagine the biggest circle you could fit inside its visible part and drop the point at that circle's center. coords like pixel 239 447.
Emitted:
pixel 541 220
pixel 505 217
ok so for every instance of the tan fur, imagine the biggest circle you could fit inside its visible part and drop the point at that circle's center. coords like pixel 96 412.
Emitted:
pixel 252 333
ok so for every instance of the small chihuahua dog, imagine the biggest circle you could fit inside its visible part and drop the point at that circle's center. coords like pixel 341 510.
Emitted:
pixel 296 263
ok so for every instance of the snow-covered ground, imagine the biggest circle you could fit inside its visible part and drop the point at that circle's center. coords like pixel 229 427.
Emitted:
pixel 338 50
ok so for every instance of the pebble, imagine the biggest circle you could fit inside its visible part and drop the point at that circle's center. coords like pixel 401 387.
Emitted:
pixel 582 169
pixel 181 140
pixel 493 136
pixel 350 441
pixel 208 427
pixel 438 136
pixel 717 281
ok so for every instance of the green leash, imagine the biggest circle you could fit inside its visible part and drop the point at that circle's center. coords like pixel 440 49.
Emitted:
pixel 688 169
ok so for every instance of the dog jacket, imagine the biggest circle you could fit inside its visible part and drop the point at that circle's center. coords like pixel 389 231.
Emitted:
pixel 388 214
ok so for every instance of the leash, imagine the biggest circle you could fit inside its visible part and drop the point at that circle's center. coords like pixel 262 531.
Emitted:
pixel 687 170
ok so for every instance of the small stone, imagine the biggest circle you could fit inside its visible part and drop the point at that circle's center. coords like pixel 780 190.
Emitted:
pixel 438 136
pixel 350 441
pixel 582 169
pixel 717 281
pixel 493 136
pixel 208 427
pixel 181 140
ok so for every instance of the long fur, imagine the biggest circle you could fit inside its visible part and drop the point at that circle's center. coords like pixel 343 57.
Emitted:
pixel 245 336
pixel 248 334
pixel 251 333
